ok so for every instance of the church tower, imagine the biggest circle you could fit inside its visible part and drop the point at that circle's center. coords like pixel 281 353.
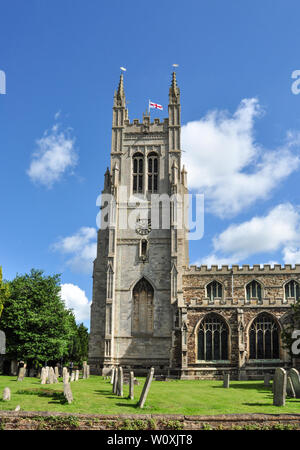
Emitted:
pixel 142 244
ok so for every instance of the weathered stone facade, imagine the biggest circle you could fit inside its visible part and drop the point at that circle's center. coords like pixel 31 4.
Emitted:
pixel 150 309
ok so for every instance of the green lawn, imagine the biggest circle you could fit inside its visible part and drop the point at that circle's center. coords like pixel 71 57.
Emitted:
pixel 94 396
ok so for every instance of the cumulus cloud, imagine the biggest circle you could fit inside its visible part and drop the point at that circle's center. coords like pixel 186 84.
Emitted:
pixel 55 155
pixel 279 230
pixel 76 299
pixel 81 249
pixel 226 163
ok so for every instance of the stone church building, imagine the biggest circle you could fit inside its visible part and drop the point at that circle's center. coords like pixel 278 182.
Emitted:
pixel 150 307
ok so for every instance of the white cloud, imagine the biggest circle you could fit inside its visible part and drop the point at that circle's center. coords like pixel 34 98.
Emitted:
pixel 82 248
pixel 224 161
pixel 55 155
pixel 279 230
pixel 76 299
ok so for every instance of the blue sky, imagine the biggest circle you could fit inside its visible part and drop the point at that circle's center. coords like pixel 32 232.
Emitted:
pixel 241 124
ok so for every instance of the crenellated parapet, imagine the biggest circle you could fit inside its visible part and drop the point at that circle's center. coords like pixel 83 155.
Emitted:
pixel 240 302
pixel 242 270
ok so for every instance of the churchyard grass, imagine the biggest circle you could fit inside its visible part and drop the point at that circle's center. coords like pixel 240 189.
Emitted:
pixel 94 396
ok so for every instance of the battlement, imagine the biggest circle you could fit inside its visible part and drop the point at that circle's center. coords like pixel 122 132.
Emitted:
pixel 240 302
pixel 242 270
pixel 136 122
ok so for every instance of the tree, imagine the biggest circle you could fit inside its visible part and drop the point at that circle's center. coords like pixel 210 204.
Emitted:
pixel 4 292
pixel 37 325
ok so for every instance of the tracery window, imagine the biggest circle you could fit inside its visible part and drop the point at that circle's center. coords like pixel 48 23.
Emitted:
pixel 214 290
pixel 152 172
pixel 212 339
pixel 142 317
pixel 264 338
pixel 292 290
pixel 138 172
pixel 253 290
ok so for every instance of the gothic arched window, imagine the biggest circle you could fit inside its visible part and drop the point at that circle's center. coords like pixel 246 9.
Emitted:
pixel 142 314
pixel 212 339
pixel 253 290
pixel 214 290
pixel 152 172
pixel 138 172
pixel 292 290
pixel 264 338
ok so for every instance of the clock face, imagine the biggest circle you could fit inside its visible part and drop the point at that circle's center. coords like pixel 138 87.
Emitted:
pixel 143 226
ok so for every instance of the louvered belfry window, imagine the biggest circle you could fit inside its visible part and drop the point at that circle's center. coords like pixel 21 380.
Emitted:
pixel 152 172
pixel 138 172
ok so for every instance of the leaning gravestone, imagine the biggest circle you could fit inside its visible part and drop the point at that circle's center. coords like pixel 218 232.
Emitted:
pixel 112 375
pixel 120 382
pixel 21 373
pixel 279 391
pixel 6 394
pixel 290 391
pixel 146 388
pixel 68 393
pixel 295 380
pixel 115 385
pixel 131 386
pixel 226 379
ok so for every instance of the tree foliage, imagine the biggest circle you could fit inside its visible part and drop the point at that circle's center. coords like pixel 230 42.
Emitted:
pixel 4 292
pixel 37 325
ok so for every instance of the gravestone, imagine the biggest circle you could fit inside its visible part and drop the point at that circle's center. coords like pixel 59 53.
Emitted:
pixel 290 391
pixel 112 376
pixel 295 380
pixel 146 388
pixel 84 370
pixel 21 373
pixel 120 382
pixel 131 386
pixel 115 385
pixel 226 379
pixel 2 343
pixel 56 372
pixel 73 376
pixel 50 376
pixel 87 371
pixel 68 393
pixel 66 375
pixel 76 375
pixel 43 375
pixel 267 378
pixel 279 391
pixel 6 394
pixel 32 372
